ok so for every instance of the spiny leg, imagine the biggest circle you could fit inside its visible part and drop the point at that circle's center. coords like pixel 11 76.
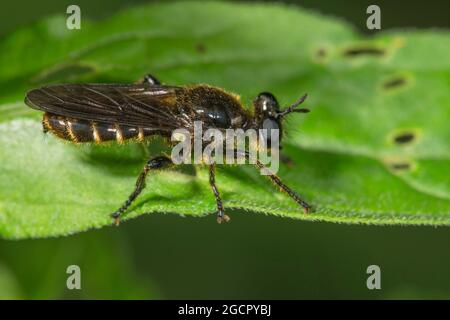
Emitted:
pixel 221 216
pixel 155 163
pixel 275 179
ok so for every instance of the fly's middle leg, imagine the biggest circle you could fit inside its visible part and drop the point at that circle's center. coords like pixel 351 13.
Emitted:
pixel 155 163
pixel 221 216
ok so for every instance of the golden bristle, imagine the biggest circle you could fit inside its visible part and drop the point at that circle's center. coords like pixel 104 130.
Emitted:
pixel 96 134
pixel 141 134
pixel 46 123
pixel 70 131
pixel 119 134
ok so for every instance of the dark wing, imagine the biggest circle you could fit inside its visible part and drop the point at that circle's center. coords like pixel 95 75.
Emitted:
pixel 139 105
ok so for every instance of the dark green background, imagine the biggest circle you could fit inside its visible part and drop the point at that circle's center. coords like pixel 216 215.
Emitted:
pixel 417 14
pixel 254 256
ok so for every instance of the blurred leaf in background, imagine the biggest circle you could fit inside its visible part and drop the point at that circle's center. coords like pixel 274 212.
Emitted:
pixel 9 288
pixel 40 270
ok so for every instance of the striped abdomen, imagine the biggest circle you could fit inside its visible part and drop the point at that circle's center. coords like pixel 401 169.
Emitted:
pixel 77 131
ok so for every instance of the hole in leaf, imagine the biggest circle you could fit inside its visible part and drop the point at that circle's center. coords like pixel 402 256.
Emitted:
pixel 321 53
pixel 364 51
pixel 400 166
pixel 200 47
pixel 394 83
pixel 403 138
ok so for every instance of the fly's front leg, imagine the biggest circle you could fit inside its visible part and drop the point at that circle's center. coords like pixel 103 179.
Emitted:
pixel 277 181
pixel 221 216
pixel 155 163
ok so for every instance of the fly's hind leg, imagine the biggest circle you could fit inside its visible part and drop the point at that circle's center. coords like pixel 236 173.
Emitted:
pixel 221 216
pixel 155 163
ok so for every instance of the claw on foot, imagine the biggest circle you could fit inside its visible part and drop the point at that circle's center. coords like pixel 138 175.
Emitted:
pixel 223 217
pixel 116 218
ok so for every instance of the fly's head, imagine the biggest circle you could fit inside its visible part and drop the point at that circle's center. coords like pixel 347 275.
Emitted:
pixel 268 115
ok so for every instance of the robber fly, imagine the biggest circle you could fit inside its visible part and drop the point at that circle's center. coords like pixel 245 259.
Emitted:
pixel 117 112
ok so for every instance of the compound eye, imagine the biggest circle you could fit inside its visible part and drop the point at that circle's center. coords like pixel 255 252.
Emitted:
pixel 267 102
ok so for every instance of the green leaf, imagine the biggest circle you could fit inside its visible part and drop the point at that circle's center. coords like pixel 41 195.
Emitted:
pixel 374 149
